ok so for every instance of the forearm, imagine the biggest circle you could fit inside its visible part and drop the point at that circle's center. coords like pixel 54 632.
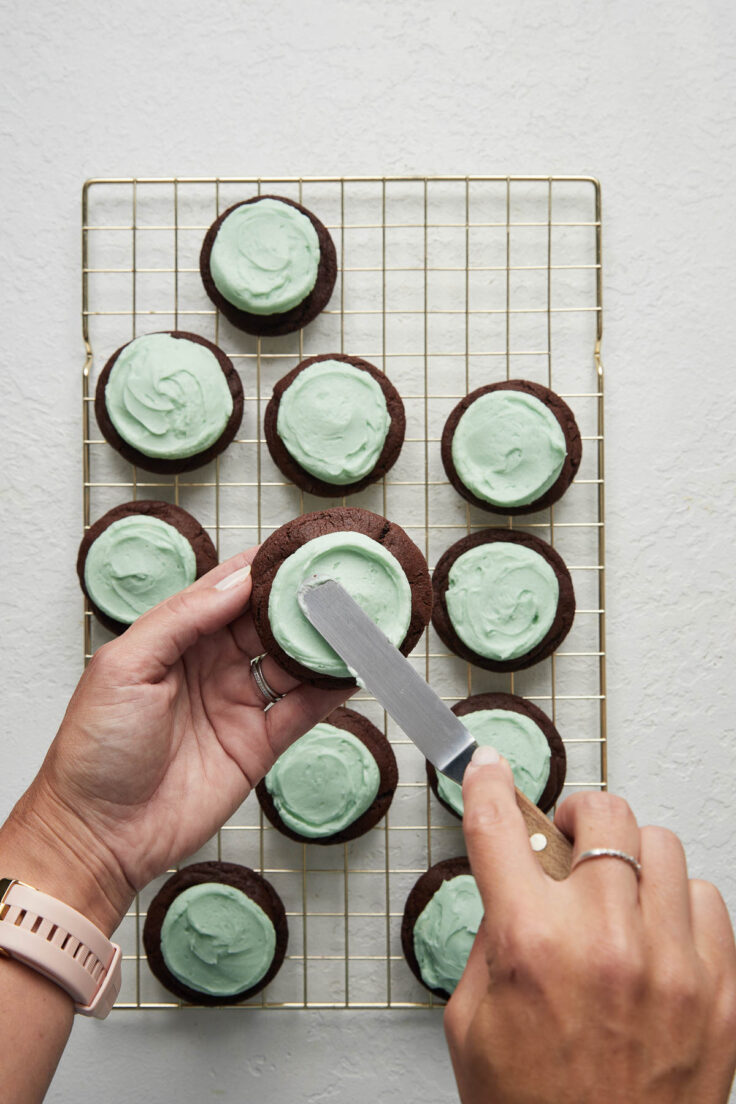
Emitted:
pixel 35 1021
pixel 36 1014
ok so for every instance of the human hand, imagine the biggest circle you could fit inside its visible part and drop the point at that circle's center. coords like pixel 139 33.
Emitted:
pixel 164 737
pixel 597 989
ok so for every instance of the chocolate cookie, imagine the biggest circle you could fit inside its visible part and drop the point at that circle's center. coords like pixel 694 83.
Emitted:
pixel 514 704
pixel 421 894
pixel 181 464
pixel 294 471
pixel 567 423
pixel 203 548
pixel 292 536
pixel 240 877
pixel 274 325
pixel 561 623
pixel 379 747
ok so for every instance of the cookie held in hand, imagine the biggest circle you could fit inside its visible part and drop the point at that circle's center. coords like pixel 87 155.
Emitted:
pixel 372 558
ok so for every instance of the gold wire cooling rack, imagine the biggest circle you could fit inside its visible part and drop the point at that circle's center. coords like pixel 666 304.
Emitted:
pixel 446 283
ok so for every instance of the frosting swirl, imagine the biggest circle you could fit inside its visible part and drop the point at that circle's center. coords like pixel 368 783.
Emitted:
pixel 519 739
pixel 215 939
pixel 167 396
pixel 334 421
pixel 445 930
pixel 369 573
pixel 265 257
pixel 508 448
pixel 135 563
pixel 323 782
pixel 502 599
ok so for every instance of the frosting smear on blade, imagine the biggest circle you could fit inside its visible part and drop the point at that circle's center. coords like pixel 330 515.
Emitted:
pixel 508 448
pixel 135 563
pixel 334 421
pixel 519 739
pixel 265 257
pixel 216 940
pixel 370 574
pixel 502 599
pixel 445 930
pixel 168 397
pixel 323 782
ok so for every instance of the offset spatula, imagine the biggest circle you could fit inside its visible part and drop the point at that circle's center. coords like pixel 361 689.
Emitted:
pixel 438 733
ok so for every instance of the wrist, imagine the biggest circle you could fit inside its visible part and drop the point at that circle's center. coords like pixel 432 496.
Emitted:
pixel 43 844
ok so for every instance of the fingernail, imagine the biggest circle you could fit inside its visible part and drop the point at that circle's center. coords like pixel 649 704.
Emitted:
pixel 484 756
pixel 233 578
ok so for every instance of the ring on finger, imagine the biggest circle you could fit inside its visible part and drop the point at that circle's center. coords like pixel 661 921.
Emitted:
pixel 609 853
pixel 266 691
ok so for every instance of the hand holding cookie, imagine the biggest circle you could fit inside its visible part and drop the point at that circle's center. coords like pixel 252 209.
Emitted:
pixel 601 987
pixel 164 737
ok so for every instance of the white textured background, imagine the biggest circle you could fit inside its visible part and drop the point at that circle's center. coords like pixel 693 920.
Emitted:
pixel 641 95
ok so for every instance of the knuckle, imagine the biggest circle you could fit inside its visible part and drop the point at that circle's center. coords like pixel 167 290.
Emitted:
pixel 539 947
pixel 683 994
pixel 178 603
pixel 620 964
pixel 607 813
pixel 482 817
pixel 615 808
pixel 585 802
pixel 707 894
pixel 662 839
pixel 527 945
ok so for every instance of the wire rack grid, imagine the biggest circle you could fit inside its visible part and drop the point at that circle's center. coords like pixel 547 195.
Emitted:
pixel 445 283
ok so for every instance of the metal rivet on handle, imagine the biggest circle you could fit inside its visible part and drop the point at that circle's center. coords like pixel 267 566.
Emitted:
pixel 538 841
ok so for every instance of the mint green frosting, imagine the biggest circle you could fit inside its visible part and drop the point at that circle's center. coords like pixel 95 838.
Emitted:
pixel 519 739
pixel 508 448
pixel 135 563
pixel 502 599
pixel 445 930
pixel 367 571
pixel 323 782
pixel 265 257
pixel 334 421
pixel 216 940
pixel 168 396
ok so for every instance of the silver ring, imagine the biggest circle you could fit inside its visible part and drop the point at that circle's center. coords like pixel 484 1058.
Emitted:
pixel 260 680
pixel 609 853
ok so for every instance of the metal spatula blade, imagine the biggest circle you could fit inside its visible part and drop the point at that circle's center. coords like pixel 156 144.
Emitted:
pixel 382 669
pixel 438 733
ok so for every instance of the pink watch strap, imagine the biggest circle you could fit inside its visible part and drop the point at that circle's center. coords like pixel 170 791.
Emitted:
pixel 61 944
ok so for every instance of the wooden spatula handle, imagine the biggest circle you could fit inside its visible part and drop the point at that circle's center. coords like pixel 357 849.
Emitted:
pixel 556 854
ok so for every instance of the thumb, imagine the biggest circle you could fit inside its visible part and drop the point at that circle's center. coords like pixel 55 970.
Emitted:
pixel 503 863
pixel 158 638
